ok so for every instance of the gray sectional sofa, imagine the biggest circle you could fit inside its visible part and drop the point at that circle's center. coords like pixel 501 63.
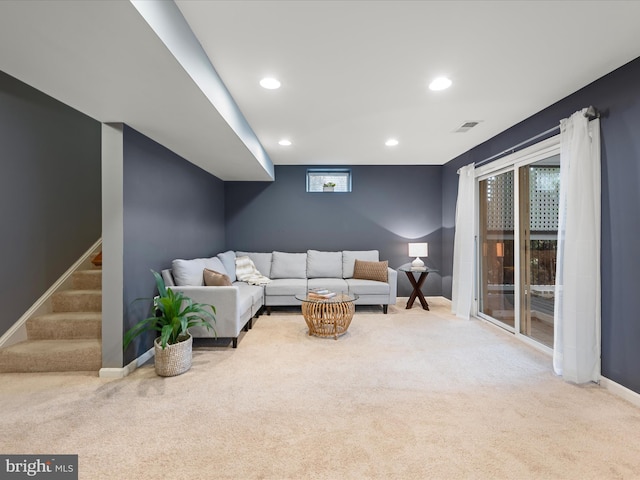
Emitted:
pixel 290 274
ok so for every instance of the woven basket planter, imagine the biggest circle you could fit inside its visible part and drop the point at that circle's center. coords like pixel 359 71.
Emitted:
pixel 174 359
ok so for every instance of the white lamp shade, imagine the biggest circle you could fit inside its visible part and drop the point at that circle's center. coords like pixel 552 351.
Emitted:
pixel 418 249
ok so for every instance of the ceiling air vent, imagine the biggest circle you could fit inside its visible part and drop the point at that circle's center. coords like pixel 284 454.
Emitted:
pixel 466 126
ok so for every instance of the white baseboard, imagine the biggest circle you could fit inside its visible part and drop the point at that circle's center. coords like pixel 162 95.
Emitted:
pixel 127 369
pixel 18 332
pixel 620 391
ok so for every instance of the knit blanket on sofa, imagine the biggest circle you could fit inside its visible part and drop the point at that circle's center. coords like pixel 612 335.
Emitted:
pixel 246 271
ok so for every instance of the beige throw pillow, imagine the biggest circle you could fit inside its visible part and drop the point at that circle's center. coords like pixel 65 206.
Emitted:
pixel 370 270
pixel 216 279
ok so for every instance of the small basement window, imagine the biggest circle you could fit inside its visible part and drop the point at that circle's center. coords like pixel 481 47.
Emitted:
pixel 329 180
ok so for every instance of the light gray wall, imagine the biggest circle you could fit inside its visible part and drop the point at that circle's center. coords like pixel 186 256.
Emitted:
pixel 112 244
pixel 50 193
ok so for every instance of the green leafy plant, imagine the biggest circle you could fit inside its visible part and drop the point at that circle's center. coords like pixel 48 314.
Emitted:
pixel 172 314
pixel 329 184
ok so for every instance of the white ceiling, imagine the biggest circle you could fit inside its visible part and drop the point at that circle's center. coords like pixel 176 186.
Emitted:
pixel 353 73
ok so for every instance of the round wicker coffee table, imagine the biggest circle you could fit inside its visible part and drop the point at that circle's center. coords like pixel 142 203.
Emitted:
pixel 328 317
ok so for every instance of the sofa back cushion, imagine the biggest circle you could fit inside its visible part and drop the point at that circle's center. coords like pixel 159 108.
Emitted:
pixel 228 259
pixel 190 272
pixel 324 264
pixel 349 259
pixel 364 270
pixel 288 265
pixel 262 261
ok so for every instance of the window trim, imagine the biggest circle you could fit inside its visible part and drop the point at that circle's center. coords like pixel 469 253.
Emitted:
pixel 328 172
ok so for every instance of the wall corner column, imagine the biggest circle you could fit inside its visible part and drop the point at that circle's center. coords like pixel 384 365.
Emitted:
pixel 112 244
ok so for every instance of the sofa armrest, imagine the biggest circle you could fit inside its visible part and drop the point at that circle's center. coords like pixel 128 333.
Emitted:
pixel 225 299
pixel 167 276
pixel 392 279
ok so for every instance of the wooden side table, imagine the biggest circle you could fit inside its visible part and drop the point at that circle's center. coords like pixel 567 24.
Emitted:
pixel 416 284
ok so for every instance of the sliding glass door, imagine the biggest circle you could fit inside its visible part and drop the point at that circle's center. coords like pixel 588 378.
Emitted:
pixel 497 255
pixel 517 242
pixel 539 195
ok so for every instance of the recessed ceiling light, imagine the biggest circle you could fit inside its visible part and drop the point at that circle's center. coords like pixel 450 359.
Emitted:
pixel 284 142
pixel 270 83
pixel 440 83
pixel 392 142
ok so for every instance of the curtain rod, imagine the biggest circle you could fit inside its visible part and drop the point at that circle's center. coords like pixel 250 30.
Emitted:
pixel 591 113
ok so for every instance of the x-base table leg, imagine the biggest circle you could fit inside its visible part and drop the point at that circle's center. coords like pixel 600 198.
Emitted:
pixel 417 289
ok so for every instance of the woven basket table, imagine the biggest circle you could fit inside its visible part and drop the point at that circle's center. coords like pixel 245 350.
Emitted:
pixel 328 317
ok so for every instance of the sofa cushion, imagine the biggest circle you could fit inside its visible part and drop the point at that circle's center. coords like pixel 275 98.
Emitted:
pixel 262 261
pixel 245 302
pixel 228 259
pixel 286 286
pixel 367 287
pixel 189 272
pixel 288 265
pixel 254 292
pixel 370 270
pixel 337 285
pixel 349 259
pixel 324 264
pixel 215 279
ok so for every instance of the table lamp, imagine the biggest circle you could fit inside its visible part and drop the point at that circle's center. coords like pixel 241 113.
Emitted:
pixel 418 250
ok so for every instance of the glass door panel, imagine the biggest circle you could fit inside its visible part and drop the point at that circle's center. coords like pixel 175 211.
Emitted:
pixel 539 194
pixel 497 255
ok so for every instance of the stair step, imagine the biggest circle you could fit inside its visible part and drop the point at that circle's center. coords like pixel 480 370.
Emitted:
pixel 87 279
pixel 65 325
pixel 77 301
pixel 52 356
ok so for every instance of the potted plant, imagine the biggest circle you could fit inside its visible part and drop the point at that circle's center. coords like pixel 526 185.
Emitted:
pixel 328 187
pixel 172 314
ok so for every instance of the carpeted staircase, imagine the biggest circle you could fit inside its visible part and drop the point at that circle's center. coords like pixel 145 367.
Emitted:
pixel 68 338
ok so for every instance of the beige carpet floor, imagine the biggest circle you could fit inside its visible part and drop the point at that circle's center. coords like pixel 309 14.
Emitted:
pixel 408 395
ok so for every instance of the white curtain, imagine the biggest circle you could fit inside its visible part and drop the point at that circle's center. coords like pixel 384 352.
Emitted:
pixel 463 246
pixel 576 350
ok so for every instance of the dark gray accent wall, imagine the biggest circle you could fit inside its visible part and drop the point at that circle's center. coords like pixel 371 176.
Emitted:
pixel 388 207
pixel 50 193
pixel 617 95
pixel 172 209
